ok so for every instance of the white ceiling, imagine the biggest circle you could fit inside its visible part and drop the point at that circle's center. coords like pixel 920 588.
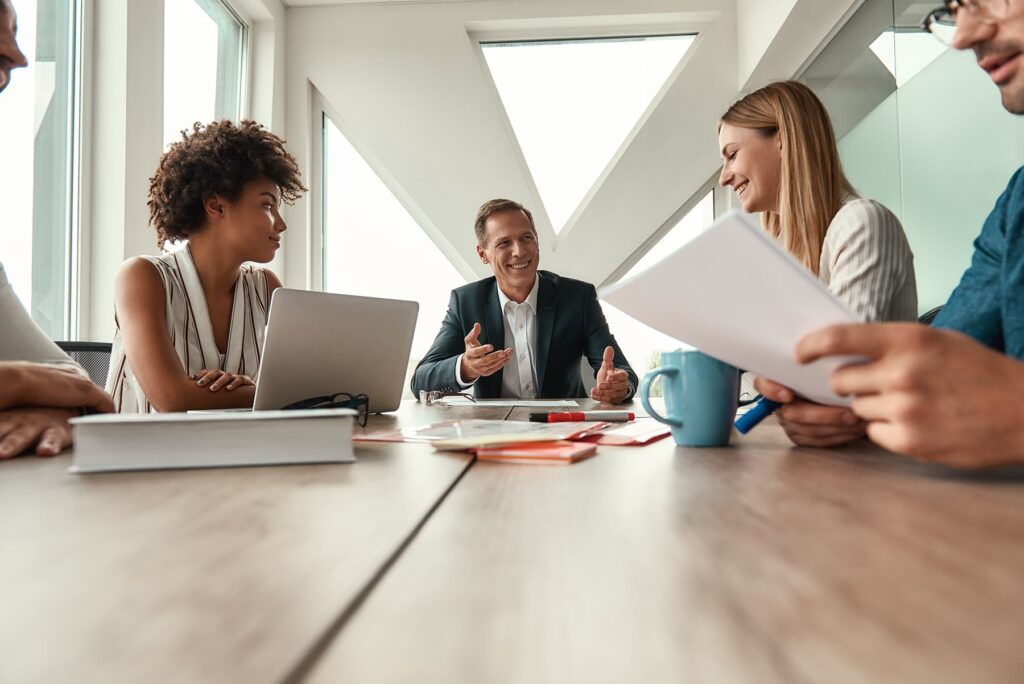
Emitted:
pixel 316 3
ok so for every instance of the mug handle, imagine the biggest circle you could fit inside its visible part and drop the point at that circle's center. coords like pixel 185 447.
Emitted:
pixel 645 389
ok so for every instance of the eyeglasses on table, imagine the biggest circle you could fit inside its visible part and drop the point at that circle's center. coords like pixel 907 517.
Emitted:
pixel 436 397
pixel 359 402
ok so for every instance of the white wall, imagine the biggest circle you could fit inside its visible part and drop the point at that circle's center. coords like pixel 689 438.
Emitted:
pixel 794 30
pixel 406 83
pixel 125 131
pixel 757 23
pixel 409 88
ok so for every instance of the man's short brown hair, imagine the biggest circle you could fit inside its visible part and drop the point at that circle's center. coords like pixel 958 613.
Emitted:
pixel 496 206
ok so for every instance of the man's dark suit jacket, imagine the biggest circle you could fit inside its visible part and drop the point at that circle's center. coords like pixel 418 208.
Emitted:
pixel 570 325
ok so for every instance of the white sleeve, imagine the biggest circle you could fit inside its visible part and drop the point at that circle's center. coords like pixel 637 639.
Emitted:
pixel 20 338
pixel 870 262
pixel 458 373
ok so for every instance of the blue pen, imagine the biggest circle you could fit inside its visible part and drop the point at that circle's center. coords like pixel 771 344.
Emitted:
pixel 761 410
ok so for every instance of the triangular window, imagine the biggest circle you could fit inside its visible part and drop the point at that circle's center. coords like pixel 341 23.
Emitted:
pixel 572 104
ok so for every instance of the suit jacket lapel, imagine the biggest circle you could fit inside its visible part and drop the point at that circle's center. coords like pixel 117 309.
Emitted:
pixel 545 326
pixel 493 333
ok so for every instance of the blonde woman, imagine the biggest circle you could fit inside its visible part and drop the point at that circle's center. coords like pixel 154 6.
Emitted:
pixel 779 155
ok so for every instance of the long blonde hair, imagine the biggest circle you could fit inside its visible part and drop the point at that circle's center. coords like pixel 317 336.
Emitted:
pixel 812 185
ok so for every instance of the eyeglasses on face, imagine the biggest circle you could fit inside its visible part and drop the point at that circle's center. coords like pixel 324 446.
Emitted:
pixel 359 402
pixel 941 22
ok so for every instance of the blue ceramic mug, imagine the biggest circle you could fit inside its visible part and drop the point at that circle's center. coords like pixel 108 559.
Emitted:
pixel 701 396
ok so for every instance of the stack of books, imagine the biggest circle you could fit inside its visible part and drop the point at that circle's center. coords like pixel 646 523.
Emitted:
pixel 216 439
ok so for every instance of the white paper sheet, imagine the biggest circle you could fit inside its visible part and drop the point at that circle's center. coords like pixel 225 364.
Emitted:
pixel 530 403
pixel 735 294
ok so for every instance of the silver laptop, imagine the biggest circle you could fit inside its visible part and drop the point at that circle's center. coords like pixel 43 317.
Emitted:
pixel 319 344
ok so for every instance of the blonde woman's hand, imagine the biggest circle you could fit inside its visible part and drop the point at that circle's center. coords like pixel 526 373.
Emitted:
pixel 217 379
pixel 809 424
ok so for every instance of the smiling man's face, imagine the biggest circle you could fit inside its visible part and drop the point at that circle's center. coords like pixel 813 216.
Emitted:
pixel 11 56
pixel 999 48
pixel 512 251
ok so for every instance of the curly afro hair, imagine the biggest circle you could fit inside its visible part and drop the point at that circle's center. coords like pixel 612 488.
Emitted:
pixel 217 159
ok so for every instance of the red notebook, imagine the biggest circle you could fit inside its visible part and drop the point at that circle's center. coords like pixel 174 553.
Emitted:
pixel 538 452
pixel 639 432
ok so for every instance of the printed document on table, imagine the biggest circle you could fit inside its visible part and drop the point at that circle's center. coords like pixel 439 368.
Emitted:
pixel 734 293
pixel 476 431
pixel 529 403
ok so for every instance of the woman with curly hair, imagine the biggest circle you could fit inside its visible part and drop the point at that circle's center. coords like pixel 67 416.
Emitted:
pixel 190 322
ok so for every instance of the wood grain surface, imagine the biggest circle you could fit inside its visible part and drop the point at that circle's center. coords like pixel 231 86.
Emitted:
pixel 755 562
pixel 224 575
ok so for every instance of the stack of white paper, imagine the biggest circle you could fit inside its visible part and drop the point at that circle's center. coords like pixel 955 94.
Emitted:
pixel 735 294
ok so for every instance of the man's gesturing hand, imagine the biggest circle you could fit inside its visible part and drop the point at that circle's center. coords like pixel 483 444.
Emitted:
pixel 612 383
pixel 481 360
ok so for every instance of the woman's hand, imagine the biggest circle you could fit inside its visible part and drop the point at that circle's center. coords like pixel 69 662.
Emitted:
pixel 809 424
pixel 217 379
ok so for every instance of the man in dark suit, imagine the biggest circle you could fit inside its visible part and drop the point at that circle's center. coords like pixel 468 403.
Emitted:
pixel 522 332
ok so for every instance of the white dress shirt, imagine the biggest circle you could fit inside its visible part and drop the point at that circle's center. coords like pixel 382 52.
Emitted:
pixel 519 375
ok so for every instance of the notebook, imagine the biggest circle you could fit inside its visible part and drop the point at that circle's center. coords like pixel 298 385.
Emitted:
pixel 155 441
pixel 639 432
pixel 733 292
pixel 549 453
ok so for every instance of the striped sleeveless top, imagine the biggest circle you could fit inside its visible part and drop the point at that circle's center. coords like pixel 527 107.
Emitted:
pixel 190 329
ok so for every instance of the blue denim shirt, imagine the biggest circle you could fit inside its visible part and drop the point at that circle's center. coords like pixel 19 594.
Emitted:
pixel 988 304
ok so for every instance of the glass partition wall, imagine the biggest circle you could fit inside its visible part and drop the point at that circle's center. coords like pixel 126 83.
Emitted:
pixel 921 129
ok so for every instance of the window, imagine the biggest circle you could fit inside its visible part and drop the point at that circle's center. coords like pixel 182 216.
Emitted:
pixel 203 59
pixel 373 247
pixel 916 49
pixel 39 118
pixel 642 344
pixel 572 103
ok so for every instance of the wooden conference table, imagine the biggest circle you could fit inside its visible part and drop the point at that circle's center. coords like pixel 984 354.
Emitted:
pixel 755 562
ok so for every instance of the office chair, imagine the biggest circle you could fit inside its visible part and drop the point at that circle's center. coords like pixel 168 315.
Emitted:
pixel 928 316
pixel 94 357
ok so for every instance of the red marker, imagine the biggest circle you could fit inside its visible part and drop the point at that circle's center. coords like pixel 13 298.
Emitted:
pixel 577 416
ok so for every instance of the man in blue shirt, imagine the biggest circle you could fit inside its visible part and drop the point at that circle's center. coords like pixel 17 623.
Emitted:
pixel 950 393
